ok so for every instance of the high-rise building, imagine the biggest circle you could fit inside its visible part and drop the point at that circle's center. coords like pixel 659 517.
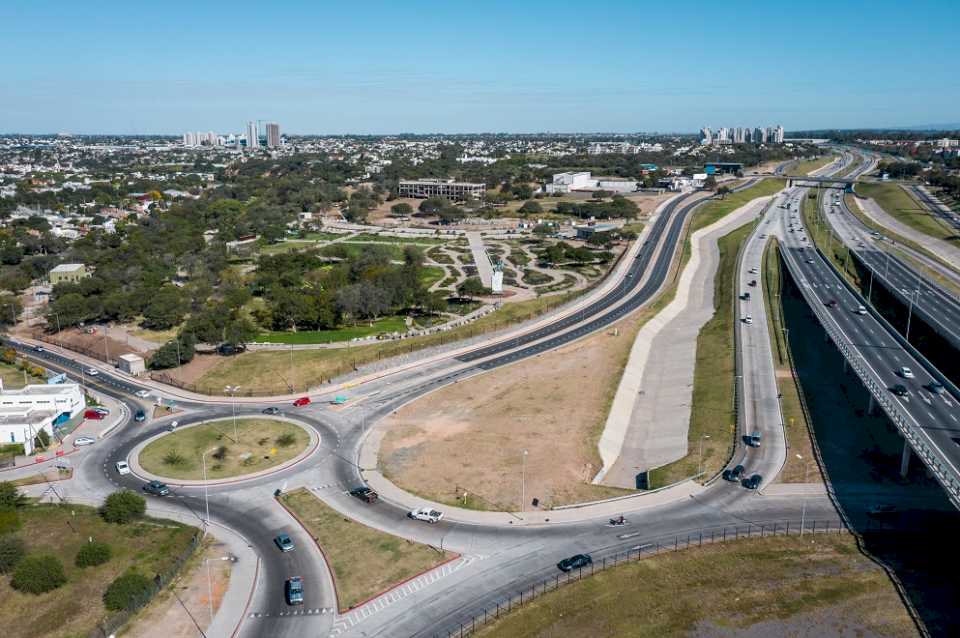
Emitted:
pixel 706 136
pixel 253 136
pixel 779 134
pixel 189 138
pixel 723 135
pixel 759 136
pixel 273 135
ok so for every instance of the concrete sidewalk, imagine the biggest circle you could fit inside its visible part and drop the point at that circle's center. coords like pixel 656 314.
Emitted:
pixel 648 423
pixel 480 258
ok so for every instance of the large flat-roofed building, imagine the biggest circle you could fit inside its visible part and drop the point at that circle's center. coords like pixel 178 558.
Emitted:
pixel 68 273
pixel 26 411
pixel 446 188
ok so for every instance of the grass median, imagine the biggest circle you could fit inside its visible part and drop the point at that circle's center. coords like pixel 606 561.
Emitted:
pixel 255 445
pixel 805 167
pixel 903 207
pixel 780 586
pixel 365 561
pixel 150 546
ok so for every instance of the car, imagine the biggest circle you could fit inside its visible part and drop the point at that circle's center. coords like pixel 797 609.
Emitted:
pixel 38 349
pixel 748 320
pixel 762 236
pixel 753 482
pixel 173 426
pixel 156 488
pixel 102 410
pixel 905 372
pixel 752 282
pixel 900 390
pixel 831 304
pixel 80 441
pixel 734 475
pixel 143 394
pixel 935 387
pixel 140 416
pixel 92 372
pixel 753 439
pixel 754 271
pixel 809 261
pixel 293 590
pixel 272 410
pixel 427 514
pixel 284 542
pixel 578 561
pixel 302 401
pixel 861 310
pixel 745 296
pixel 122 467
pixel 365 494
pixel 93 415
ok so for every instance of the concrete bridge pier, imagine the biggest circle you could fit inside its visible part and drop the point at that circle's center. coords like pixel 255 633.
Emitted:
pixel 871 405
pixel 905 459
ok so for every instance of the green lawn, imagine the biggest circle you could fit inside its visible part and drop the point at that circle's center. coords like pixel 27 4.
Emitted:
pixel 260 446
pixel 719 208
pixel 346 333
pixel 12 377
pixel 431 275
pixel 902 206
pixel 415 241
pixel 712 402
pixel 151 546
pixel 792 585
pixel 365 561
pixel 805 167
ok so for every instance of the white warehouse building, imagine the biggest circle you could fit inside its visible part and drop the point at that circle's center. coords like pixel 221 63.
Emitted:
pixel 584 181
pixel 26 411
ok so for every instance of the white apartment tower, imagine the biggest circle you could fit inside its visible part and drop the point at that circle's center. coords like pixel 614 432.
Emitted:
pixel 253 136
pixel 273 135
pixel 706 136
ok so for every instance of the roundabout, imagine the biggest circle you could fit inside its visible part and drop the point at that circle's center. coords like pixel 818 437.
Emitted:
pixel 223 450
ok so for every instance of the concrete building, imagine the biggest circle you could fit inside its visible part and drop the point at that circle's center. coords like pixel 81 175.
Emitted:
pixel 273 135
pixel 68 273
pixel 759 136
pixel 778 135
pixel 706 136
pixel 131 364
pixel 586 232
pixel 253 136
pixel 446 188
pixel 617 185
pixel 26 411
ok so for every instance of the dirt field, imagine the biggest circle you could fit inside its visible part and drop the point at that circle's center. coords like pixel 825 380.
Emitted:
pixel 470 436
pixel 91 344
pixel 166 617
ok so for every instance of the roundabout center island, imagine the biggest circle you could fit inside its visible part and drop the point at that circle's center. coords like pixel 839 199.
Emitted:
pixel 224 448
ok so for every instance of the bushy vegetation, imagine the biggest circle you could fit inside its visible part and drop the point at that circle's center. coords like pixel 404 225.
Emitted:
pixel 38 574
pixel 123 507
pixel 617 207
pixel 93 554
pixel 128 591
pixel 12 551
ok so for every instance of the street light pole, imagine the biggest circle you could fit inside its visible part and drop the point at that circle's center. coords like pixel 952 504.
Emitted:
pixel 803 511
pixel 523 480
pixel 232 390
pixel 705 436
pixel 910 311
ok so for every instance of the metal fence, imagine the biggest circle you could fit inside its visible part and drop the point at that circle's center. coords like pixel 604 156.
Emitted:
pixel 473 620
pixel 109 625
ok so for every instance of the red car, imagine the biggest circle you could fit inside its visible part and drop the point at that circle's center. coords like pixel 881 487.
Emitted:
pixel 302 401
pixel 93 414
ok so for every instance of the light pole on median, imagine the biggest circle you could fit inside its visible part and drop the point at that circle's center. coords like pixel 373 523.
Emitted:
pixel 206 524
pixel 232 391
pixel 803 511
pixel 705 436
pixel 915 293
pixel 523 480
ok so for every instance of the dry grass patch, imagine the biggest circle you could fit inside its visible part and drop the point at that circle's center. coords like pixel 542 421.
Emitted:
pixel 262 444
pixel 365 561
pixel 760 587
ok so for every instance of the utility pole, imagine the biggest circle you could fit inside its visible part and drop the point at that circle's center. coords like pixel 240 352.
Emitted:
pixel 523 479
pixel 915 293
pixel 803 511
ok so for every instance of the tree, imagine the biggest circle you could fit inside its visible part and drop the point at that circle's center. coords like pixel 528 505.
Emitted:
pixel 38 574
pixel 531 207
pixel 403 209
pixel 432 205
pixel 42 440
pixel 123 506
pixel 10 496
pixel 12 551
pixel 240 331
pixel 723 191
pixel 165 310
pixel 173 353
pixel 93 554
pixel 710 183
pixel 128 591
pixel 471 287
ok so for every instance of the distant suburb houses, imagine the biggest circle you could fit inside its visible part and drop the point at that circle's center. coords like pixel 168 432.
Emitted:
pixel 68 273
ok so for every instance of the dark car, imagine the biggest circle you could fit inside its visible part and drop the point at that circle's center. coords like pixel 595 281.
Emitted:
pixel 734 474
pixel 284 542
pixel 293 589
pixel 832 303
pixel 900 390
pixel 575 562
pixel 272 410
pixel 752 282
pixel 140 416
pixel 365 494
pixel 753 482
pixel 936 387
pixel 157 488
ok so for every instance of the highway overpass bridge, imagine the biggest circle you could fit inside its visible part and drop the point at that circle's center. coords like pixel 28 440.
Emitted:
pixel 846 183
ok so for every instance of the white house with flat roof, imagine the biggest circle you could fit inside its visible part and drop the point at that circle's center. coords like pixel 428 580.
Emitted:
pixel 26 411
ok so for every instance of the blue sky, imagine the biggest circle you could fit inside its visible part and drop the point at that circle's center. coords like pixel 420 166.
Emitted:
pixel 521 66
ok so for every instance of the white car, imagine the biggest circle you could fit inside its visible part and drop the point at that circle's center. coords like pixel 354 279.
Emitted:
pixel 122 467
pixel 754 271
pixel 83 440
pixel 92 372
pixel 906 372
pixel 748 320
pixel 427 514
pixel 143 394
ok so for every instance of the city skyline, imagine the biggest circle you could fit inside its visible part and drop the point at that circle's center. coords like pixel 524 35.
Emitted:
pixel 539 68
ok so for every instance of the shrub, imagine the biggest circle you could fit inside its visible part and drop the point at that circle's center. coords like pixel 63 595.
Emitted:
pixel 286 439
pixel 123 506
pixel 220 453
pixel 38 574
pixel 9 521
pixel 93 554
pixel 12 551
pixel 173 457
pixel 10 496
pixel 128 591
pixel 42 440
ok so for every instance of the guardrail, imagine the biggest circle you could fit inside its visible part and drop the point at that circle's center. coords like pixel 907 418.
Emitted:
pixel 476 619
pixel 932 456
